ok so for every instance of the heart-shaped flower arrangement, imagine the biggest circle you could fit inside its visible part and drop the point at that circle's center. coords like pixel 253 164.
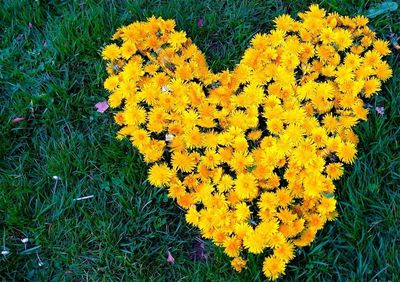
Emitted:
pixel 250 154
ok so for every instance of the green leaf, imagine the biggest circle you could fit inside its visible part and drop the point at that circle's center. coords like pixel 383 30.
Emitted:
pixel 105 186
pixel 382 8
pixel 251 168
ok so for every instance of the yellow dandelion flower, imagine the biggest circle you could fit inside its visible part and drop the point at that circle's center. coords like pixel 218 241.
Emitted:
pixel 225 183
pixel 160 174
pixel 327 205
pixel 284 22
pixel 372 58
pixel 284 252
pixel 177 38
pixel 115 99
pixel 240 161
pixel 383 71
pixel 286 216
pixel 119 119
pixel 238 264
pixel 277 37
pixel 111 52
pixel 343 39
pixel 306 238
pixel 347 152
pixel 273 267
pixel 304 153
pixel 140 138
pixel 193 138
pixel 330 122
pixel 382 47
pixel 210 140
pixel 334 170
pixel 315 221
pixel 232 246
pixel 185 201
pixel 128 49
pixel 255 242
pixel 254 135
pixel 211 158
pixel 111 83
pixel 242 211
pixel 268 200
pixel 246 186
pixel 284 197
pixel 154 151
pixel 371 86
pixel 183 161
pixel 192 216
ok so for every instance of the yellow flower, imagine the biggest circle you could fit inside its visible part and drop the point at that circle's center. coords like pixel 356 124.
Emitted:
pixel 153 152
pixel 242 211
pixel 193 138
pixel 135 115
pixel 284 252
pixel 128 49
pixel 211 158
pixel 140 138
pixel 327 35
pixel 372 58
pixel 119 119
pixel 277 37
pixel 315 221
pixel 273 267
pixel 327 205
pixel 268 200
pixel 382 47
pixel 347 152
pixel 383 71
pixel 232 246
pixel 159 174
pixel 111 52
pixel 254 135
pixel 238 264
pixel 192 216
pixel 111 83
pixel 240 161
pixel 284 22
pixel 183 161
pixel 255 241
pixel 334 170
pixel 342 39
pixel 246 186
pixel 286 216
pixel 185 201
pixel 177 38
pixel 304 153
pixel 115 99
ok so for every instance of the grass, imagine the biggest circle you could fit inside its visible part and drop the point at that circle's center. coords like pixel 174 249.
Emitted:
pixel 51 74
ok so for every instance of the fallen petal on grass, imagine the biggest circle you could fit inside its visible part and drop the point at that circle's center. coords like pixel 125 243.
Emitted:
pixel 17 119
pixel 199 252
pixel 200 22
pixel 170 258
pixel 101 107
pixel 380 110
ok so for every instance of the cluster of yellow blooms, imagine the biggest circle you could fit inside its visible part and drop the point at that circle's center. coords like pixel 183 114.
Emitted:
pixel 250 154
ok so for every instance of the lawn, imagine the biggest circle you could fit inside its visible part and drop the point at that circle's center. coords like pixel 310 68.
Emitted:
pixel 51 75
